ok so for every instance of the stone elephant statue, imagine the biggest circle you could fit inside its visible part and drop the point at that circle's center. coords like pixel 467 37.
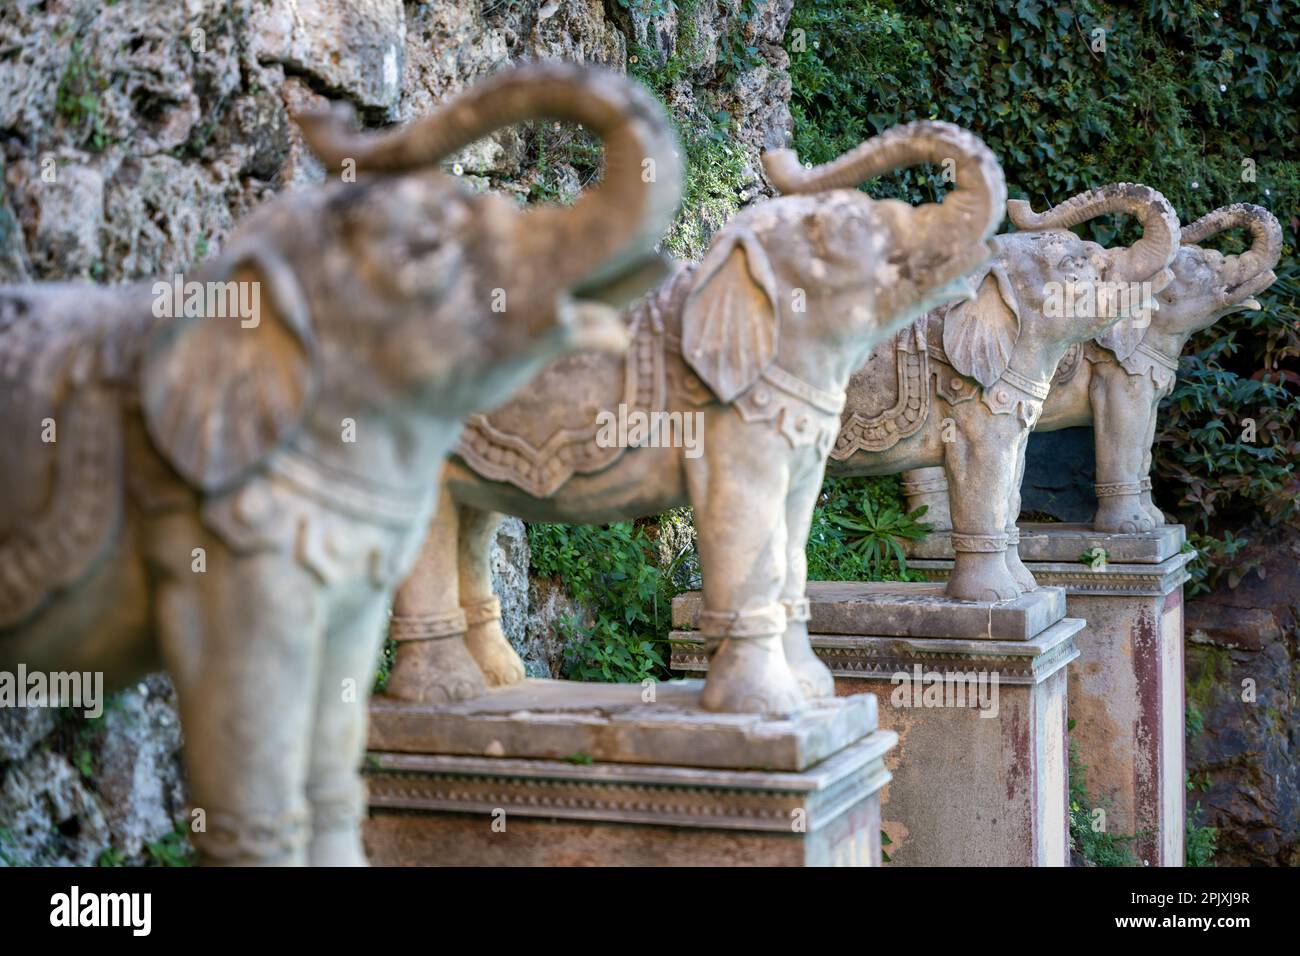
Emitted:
pixel 237 498
pixel 963 387
pixel 750 351
pixel 1116 381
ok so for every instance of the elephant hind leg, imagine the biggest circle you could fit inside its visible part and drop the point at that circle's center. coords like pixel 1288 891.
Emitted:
pixel 487 643
pixel 432 664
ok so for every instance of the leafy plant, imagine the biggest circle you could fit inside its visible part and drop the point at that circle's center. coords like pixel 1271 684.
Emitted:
pixel 857 530
pixel 1097 846
pixel 172 849
pixel 1200 843
pixel 614 574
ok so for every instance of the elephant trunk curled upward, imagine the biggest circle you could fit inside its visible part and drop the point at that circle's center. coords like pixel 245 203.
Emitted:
pixel 240 498
pixel 980 371
pixel 756 344
pixel 1116 381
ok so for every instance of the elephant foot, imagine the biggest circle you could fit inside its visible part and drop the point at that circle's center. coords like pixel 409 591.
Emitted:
pixel 1157 516
pixel 438 671
pixel 814 677
pixel 337 847
pixel 496 659
pixel 750 676
pixel 1022 575
pixel 1122 514
pixel 981 576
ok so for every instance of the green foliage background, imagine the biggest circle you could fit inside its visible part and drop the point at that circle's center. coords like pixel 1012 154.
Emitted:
pixel 1181 96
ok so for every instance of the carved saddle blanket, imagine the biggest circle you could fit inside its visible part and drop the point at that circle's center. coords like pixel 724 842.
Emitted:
pixel 540 452
pixel 889 396
pixel 66 364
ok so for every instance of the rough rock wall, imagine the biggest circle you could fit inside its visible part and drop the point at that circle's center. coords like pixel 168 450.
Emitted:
pixel 1243 687
pixel 135 135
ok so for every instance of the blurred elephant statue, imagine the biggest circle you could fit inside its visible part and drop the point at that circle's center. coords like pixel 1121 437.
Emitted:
pixel 728 400
pixel 1115 382
pixel 964 386
pixel 236 493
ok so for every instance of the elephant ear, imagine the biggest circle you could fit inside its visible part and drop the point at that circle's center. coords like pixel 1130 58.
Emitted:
pixel 980 334
pixel 731 320
pixel 219 394
pixel 1122 337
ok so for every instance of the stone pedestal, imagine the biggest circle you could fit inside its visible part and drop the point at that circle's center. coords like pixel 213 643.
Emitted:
pixel 557 773
pixel 1126 688
pixel 980 773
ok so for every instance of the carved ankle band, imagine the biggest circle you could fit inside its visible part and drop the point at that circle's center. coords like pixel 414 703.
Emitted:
pixel 979 543
pixel 800 610
pixel 1145 484
pixel 1114 489
pixel 233 838
pixel 922 486
pixel 337 811
pixel 766 622
pixel 427 627
pixel 482 612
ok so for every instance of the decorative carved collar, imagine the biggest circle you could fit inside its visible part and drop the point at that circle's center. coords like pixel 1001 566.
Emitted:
pixel 830 402
pixel 1160 358
pixel 1038 390
pixel 349 493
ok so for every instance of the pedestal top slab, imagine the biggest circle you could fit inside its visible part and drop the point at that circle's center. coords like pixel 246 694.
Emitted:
pixel 612 723
pixel 1077 578
pixel 1066 543
pixel 882 658
pixel 911 609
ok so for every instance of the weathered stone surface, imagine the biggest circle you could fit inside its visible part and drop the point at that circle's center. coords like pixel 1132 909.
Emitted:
pixel 475 811
pixel 1016 662
pixel 886 608
pixel 1067 543
pixel 980 773
pixel 49 815
pixel 1244 642
pixel 1126 687
pixel 1075 577
pixel 139 778
pixel 350 46
pixel 615 723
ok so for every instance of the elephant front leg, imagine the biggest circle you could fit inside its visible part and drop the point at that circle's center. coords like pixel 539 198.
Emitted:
pixel 981 462
pixel 335 790
pixel 432 664
pixel 738 490
pixel 1024 578
pixel 1121 406
pixel 242 642
pixel 487 644
pixel 815 679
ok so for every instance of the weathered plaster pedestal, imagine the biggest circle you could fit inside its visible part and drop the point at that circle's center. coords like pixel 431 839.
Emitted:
pixel 557 773
pixel 967 789
pixel 1126 688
